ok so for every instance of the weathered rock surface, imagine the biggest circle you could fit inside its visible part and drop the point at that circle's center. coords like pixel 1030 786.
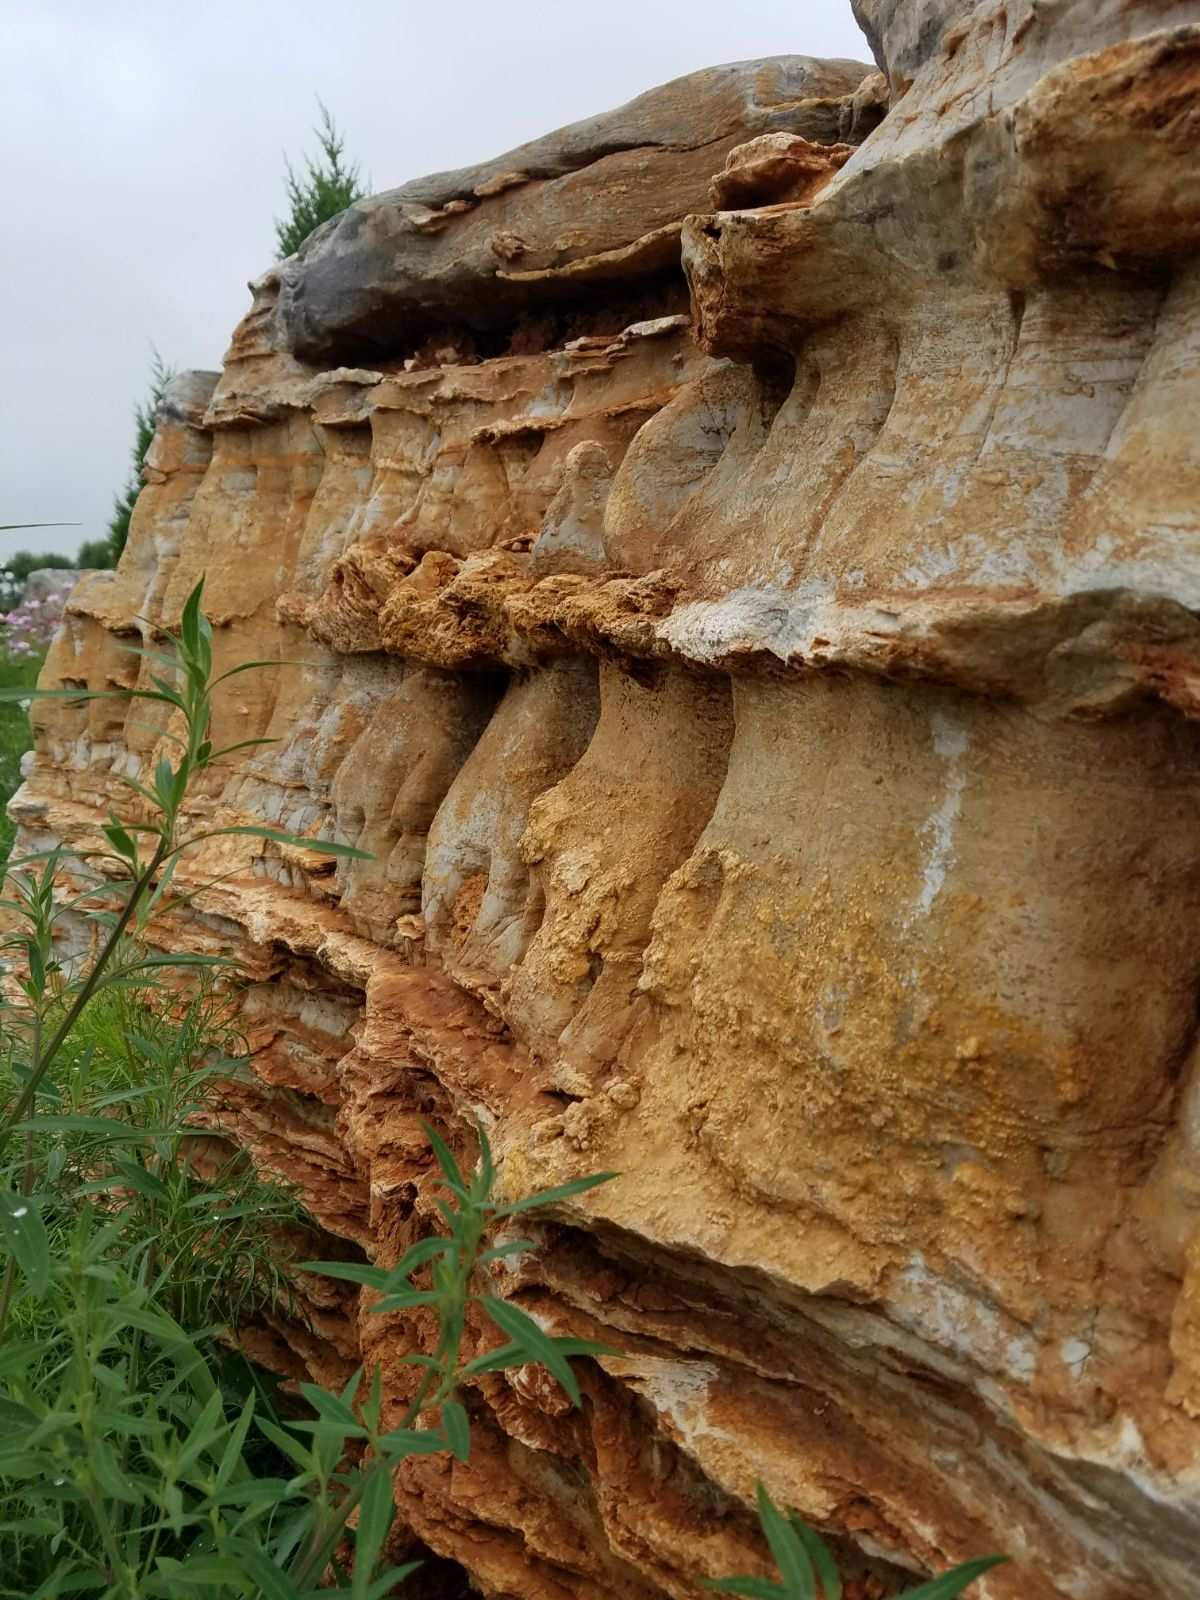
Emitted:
pixel 772 725
pixel 596 204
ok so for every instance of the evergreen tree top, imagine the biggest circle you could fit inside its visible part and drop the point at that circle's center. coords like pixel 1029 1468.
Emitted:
pixel 327 186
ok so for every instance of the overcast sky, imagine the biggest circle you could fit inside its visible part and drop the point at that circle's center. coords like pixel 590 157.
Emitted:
pixel 143 150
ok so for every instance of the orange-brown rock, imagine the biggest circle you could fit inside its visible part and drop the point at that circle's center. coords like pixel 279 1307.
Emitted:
pixel 768 700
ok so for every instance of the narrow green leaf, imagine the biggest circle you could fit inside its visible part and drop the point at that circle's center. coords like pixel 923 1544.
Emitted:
pixel 539 1346
pixel 389 1582
pixel 167 694
pixel 120 839
pixel 154 963
pixel 14 692
pixel 512 1247
pixel 127 1424
pixel 66 1582
pixel 348 1272
pixel 952 1583
pixel 821 1557
pixel 291 1447
pixel 266 1578
pixel 132 1175
pixel 551 1197
pixel 164 782
pixel 254 666
pixel 138 789
pixel 327 1428
pixel 255 1493
pixel 327 1405
pixel 205 1428
pixel 210 756
pixel 103 1127
pixel 505 1356
pixel 457 1428
pixel 498 1360
pixel 106 1470
pixel 445 1159
pixel 376 1511
pixel 417 1255
pixel 405 1299
pixel 13 1413
pixel 485 1171
pixel 23 1234
pixel 752 1588
pixel 791 1557
pixel 403 1442
pixel 160 656
pixel 201 1572
pixel 204 653
pixel 37 967
pixel 164 1328
pixel 231 1456
pixel 189 622
pixel 324 847
pixel 41 1527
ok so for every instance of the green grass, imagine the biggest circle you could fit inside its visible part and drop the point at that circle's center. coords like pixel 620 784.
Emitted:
pixel 15 737
pixel 116 1124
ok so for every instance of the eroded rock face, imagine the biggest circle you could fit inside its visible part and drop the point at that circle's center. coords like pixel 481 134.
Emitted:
pixel 593 206
pixel 769 706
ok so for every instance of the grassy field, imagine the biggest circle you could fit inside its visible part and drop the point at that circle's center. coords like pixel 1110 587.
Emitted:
pixel 15 737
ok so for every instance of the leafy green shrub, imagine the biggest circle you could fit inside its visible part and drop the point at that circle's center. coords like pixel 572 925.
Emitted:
pixel 118 1123
pixel 327 187
pixel 126 1472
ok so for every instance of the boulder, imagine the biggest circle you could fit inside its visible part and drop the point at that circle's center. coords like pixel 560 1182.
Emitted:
pixel 755 634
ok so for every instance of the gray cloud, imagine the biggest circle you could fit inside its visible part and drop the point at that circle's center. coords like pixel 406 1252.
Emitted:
pixel 143 152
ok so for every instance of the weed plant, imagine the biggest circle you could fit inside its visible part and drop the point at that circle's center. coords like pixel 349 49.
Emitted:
pixel 18 674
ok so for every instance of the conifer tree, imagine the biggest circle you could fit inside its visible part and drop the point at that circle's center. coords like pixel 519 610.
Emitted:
pixel 327 186
pixel 92 554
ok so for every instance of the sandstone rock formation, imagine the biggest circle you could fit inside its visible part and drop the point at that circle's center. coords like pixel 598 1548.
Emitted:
pixel 768 701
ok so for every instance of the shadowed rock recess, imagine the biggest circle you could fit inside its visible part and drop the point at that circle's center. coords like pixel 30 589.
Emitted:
pixel 760 649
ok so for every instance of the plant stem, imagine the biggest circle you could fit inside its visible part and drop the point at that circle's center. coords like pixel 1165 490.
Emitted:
pixel 6 1294
pixel 85 1357
pixel 322 1543
pixel 41 1067
pixel 27 1176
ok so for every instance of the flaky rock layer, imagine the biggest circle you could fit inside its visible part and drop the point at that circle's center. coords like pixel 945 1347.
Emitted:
pixel 759 649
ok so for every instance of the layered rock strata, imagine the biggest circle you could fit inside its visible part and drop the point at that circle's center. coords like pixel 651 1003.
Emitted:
pixel 744 557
